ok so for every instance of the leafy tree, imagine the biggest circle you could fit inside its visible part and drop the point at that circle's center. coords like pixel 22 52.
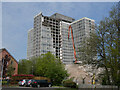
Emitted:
pixel 109 51
pixel 10 70
pixel 25 67
pixel 107 46
pixel 47 65
pixel 88 49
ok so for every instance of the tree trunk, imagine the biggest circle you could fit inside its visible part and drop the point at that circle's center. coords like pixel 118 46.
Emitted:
pixel 108 76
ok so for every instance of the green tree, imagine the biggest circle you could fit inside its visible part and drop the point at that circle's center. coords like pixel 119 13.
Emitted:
pixel 46 65
pixel 88 49
pixel 110 52
pixel 114 44
pixel 107 46
pixel 10 70
pixel 25 67
pixel 49 66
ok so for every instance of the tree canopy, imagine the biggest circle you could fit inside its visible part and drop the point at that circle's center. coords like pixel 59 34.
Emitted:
pixel 46 65
pixel 105 44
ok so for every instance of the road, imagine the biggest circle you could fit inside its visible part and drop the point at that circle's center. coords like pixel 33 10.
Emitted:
pixel 56 88
pixel 29 88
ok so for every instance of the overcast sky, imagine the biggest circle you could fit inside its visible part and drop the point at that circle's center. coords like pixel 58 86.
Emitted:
pixel 17 19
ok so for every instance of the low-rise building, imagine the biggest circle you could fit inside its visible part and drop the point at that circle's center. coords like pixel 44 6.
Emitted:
pixel 6 61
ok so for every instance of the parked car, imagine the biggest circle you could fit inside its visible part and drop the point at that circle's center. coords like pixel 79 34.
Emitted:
pixel 29 82
pixel 23 82
pixel 41 83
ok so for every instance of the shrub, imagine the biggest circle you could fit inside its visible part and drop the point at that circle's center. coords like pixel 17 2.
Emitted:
pixel 16 78
pixel 22 76
pixel 4 82
pixel 41 78
pixel 69 83
pixel 13 82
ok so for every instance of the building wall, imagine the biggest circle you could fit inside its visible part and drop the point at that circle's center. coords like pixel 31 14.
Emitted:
pixel 67 52
pixel 82 29
pixel 30 44
pixel 44 25
pixel 14 65
pixel 37 35
pixel 12 61
pixel 54 24
pixel 43 37
pixel 51 34
pixel 46 44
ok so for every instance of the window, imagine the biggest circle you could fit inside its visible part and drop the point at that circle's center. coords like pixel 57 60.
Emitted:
pixel 11 62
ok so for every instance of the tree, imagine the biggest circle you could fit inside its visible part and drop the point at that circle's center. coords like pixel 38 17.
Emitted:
pixel 46 65
pixel 25 67
pixel 107 46
pixel 49 66
pixel 10 70
pixel 88 49
pixel 114 46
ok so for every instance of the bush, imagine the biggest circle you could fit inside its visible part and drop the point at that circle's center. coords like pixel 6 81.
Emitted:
pixel 104 80
pixel 22 76
pixel 4 82
pixel 42 78
pixel 12 82
pixel 69 83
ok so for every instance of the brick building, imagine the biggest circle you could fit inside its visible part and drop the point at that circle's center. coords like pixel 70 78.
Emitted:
pixel 8 60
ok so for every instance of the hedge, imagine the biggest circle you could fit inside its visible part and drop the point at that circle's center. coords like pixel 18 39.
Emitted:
pixel 69 83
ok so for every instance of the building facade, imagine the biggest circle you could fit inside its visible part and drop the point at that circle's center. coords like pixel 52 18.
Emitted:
pixel 46 44
pixel 67 52
pixel 8 60
pixel 46 35
pixel 82 29
pixel 30 43
pixel 50 34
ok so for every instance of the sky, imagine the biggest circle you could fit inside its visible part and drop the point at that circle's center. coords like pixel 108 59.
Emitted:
pixel 17 19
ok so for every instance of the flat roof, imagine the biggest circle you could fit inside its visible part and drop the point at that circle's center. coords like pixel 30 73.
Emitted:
pixel 82 19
